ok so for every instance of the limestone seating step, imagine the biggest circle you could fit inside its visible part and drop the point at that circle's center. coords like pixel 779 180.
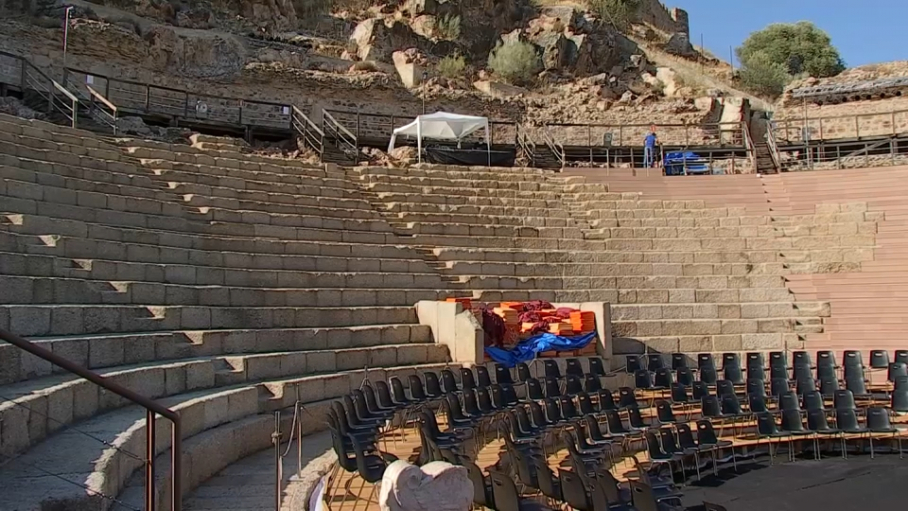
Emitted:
pixel 689 222
pixel 455 191
pixel 551 295
pixel 728 310
pixel 687 327
pixel 87 180
pixel 598 254
pixel 271 180
pixel 682 214
pixel 28 403
pixel 21 264
pixel 207 417
pixel 249 223
pixel 218 195
pixel 567 268
pixel 479 230
pixel 166 205
pixel 524 242
pixel 204 204
pixel 468 209
pixel 164 246
pixel 710 343
pixel 45 130
pixel 96 351
pixel 740 243
pixel 489 182
pixel 422 197
pixel 41 290
pixel 71 319
pixel 431 170
pixel 480 219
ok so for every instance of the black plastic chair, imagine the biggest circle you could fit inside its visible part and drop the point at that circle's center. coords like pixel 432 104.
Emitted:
pixel 844 400
pixel 433 386
pixel 778 365
pixel 663 379
pixel 592 383
pixel 573 367
pixel 789 401
pixel 548 485
pixel 615 424
pixel 829 386
pixel 643 380
pixel 664 413
pixel 679 395
pixel 767 430
pixel 755 387
pixel 826 365
pixel 708 375
pixel 778 386
pixel 679 361
pixel 801 359
pixel 523 372
pixel 709 441
pixel 670 446
pixel 901 382
pixel 657 456
pixel 553 412
pixel 856 384
pixel 594 430
pixel 711 407
pixel 698 390
pixel 803 373
pixel 853 363
pixel 376 407
pixel 879 359
pixel 573 385
pixel 483 378
pixel 586 405
pixel 901 356
pixel 606 400
pixel 504 493
pixel 725 388
pixel 813 401
pixel 449 382
pixel 552 387
pixel 574 490
pixel 503 375
pixel 757 404
pixel 654 362
pixel 805 386
pixel 455 413
pixel 626 397
pixel 895 370
pixel 632 364
pixel 534 390
pixel 467 380
pixel 550 369
pixel 482 487
pixel 684 376
pixel 819 426
pixel 399 393
pixel 899 400
pixel 568 408
pixel 370 464
pixel 597 367
pixel 636 420
pixel 417 391
pixel 877 422
pixel 756 369
pixel 846 420
pixel 705 360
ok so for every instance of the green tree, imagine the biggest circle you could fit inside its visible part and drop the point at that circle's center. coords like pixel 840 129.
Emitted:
pixel 800 48
pixel 764 77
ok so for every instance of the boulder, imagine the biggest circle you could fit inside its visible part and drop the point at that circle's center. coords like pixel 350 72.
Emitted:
pixel 409 71
pixel 377 39
pixel 498 89
pixel 679 44
pixel 556 50
pixel 274 14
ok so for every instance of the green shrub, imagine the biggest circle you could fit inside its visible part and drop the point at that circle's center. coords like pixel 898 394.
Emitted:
pixel 452 66
pixel 619 13
pixel 800 48
pixel 447 27
pixel 515 62
pixel 764 77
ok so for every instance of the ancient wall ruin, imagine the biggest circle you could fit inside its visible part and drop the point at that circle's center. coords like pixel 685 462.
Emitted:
pixel 656 14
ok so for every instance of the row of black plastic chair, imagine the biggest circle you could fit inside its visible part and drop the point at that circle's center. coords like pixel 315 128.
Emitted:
pixel 755 363
pixel 664 378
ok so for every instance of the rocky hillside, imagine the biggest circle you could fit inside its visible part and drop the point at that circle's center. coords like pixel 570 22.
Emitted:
pixel 388 57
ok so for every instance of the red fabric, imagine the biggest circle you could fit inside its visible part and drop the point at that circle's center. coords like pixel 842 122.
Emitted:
pixel 494 328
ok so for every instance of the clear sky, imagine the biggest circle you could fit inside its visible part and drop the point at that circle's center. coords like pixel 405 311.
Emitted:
pixel 864 31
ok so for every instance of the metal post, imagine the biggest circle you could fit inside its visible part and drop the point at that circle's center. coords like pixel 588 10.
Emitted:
pixel 299 437
pixel 276 440
pixel 66 16
pixel 149 462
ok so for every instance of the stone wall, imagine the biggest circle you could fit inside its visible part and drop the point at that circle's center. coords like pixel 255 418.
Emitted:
pixel 673 20
pixel 843 121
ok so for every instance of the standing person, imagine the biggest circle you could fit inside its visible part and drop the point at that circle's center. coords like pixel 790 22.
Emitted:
pixel 649 148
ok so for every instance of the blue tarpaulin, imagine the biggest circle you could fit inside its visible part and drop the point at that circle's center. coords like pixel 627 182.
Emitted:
pixel 527 349
pixel 676 162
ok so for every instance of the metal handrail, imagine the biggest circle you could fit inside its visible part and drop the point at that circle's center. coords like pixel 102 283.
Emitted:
pixel 556 147
pixel 346 140
pixel 110 118
pixel 48 89
pixel 749 145
pixel 773 146
pixel 312 135
pixel 149 405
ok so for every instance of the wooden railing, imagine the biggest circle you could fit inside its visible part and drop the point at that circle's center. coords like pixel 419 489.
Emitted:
pixel 312 136
pixel 102 109
pixel 751 147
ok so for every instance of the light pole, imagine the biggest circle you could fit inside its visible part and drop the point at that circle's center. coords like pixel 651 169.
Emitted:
pixel 68 9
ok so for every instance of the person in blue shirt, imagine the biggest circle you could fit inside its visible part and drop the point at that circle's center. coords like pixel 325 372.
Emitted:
pixel 649 149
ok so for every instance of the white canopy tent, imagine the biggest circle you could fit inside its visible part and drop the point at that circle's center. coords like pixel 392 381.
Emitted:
pixel 442 126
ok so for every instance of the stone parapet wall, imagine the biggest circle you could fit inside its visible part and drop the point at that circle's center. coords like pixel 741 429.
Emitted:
pixel 843 127
pixel 655 13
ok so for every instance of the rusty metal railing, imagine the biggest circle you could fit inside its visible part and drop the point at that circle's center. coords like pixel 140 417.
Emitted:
pixel 149 405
